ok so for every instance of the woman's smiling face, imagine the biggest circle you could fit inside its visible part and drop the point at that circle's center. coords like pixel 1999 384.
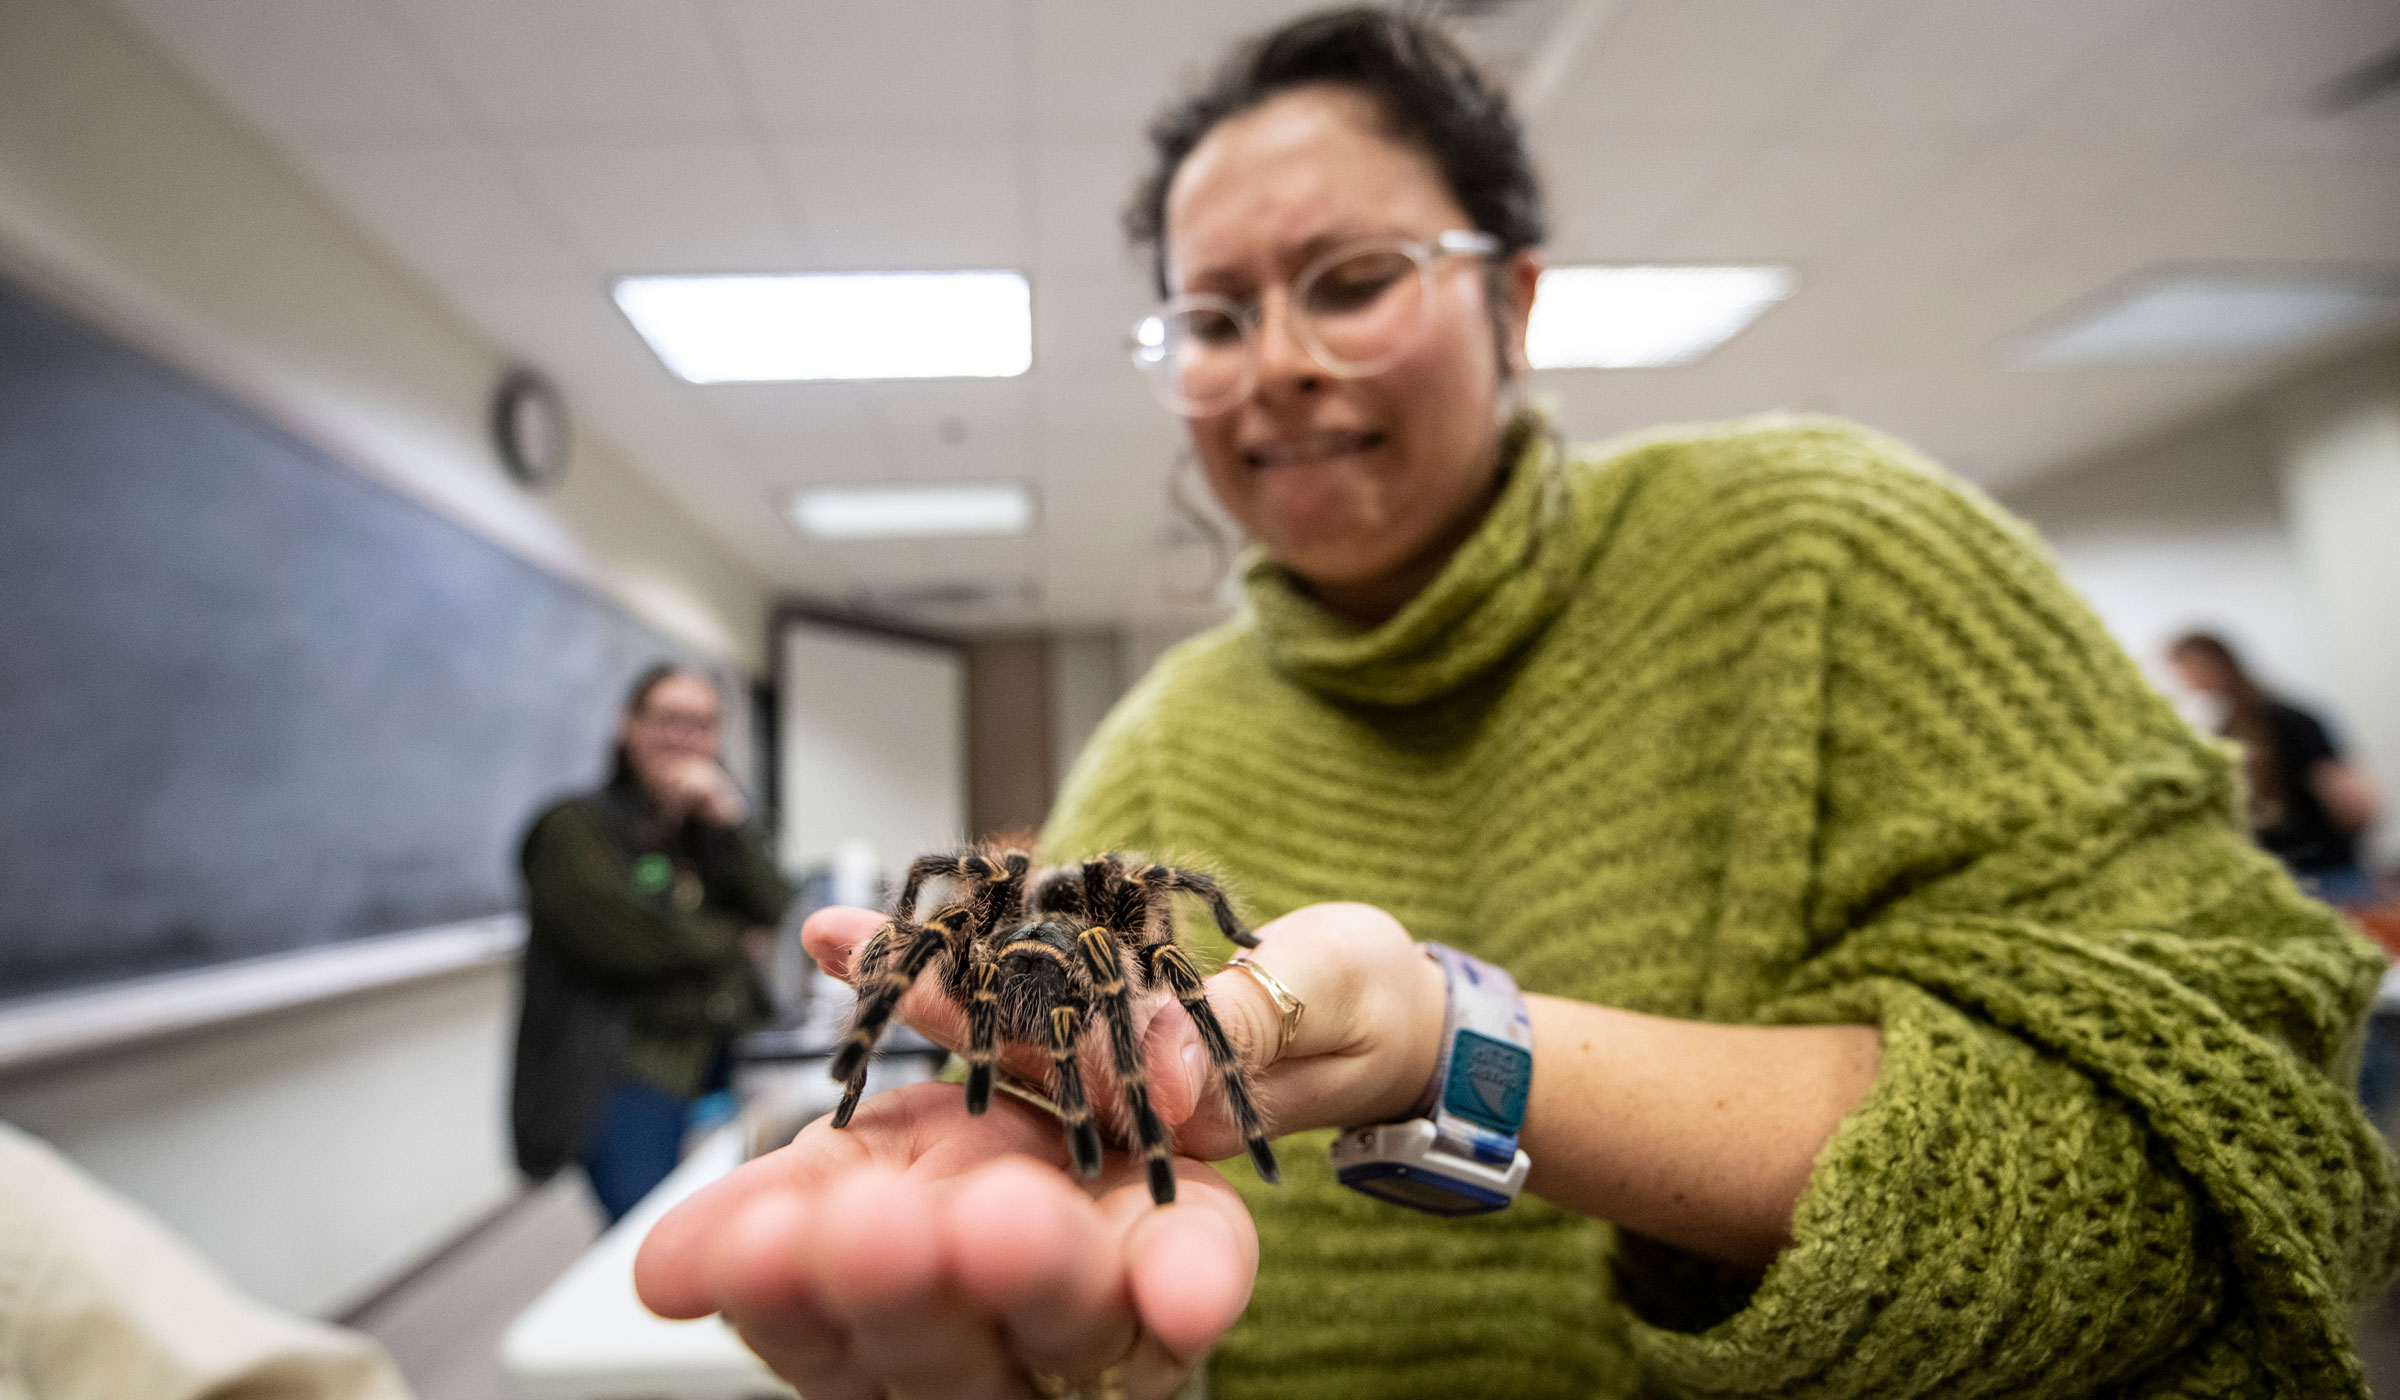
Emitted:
pixel 1363 487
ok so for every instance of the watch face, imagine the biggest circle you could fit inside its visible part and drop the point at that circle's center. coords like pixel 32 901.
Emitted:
pixel 529 427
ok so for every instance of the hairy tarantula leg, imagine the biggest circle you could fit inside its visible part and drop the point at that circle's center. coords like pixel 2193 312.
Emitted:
pixel 852 1089
pixel 956 865
pixel 1171 965
pixel 882 988
pixel 1066 1036
pixel 983 1022
pixel 1100 956
pixel 1219 907
pixel 870 960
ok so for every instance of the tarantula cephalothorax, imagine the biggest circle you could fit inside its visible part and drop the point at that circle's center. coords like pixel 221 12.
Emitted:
pixel 1036 960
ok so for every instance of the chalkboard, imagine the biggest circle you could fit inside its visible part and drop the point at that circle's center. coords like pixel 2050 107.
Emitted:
pixel 250 700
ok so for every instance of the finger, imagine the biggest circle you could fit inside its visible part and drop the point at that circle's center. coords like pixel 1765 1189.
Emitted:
pixel 1178 1066
pixel 1183 1080
pixel 833 935
pixel 1033 1248
pixel 876 1259
pixel 670 1271
pixel 770 1303
pixel 1190 1267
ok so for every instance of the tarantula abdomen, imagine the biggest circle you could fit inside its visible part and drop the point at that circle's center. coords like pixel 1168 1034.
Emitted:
pixel 1037 961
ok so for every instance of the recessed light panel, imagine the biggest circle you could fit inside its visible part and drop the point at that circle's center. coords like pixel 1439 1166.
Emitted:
pixel 845 325
pixel 2216 316
pixel 1645 317
pixel 912 512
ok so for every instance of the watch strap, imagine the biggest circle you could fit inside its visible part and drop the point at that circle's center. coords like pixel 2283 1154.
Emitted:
pixel 1476 1098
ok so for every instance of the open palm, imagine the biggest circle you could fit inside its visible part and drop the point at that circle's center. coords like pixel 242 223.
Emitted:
pixel 931 1253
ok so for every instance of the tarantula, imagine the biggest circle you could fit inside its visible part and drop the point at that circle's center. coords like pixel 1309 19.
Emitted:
pixel 1035 961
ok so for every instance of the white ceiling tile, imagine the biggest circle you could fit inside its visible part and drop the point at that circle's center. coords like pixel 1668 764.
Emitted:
pixel 1104 68
pixel 1704 70
pixel 936 429
pixel 303 67
pixel 443 209
pixel 908 204
pixel 1796 199
pixel 1953 67
pixel 1111 441
pixel 1991 201
pixel 831 417
pixel 819 69
pixel 1080 191
pixel 787 439
pixel 1082 317
pixel 1612 198
pixel 664 208
pixel 576 69
pixel 1944 173
pixel 2287 210
pixel 2202 66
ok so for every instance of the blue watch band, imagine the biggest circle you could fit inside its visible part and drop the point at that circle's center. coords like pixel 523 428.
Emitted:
pixel 1476 1098
pixel 1458 1154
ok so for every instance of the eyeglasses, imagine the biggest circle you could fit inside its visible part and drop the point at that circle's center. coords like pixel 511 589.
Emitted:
pixel 1357 311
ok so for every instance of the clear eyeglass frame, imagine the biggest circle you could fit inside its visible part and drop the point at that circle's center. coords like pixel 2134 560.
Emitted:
pixel 1198 352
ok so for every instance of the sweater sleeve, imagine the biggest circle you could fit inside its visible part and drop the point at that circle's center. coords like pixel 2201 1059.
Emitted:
pixel 579 890
pixel 2112 1146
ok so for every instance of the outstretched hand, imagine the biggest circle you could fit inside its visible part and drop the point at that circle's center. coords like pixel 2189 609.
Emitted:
pixel 1366 1044
pixel 926 1252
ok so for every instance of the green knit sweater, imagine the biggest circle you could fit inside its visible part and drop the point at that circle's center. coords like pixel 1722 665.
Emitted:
pixel 1778 722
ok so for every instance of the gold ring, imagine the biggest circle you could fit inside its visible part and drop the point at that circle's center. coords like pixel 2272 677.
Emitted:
pixel 1291 1007
pixel 1017 1089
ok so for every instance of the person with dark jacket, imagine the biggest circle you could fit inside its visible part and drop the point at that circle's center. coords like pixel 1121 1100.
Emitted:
pixel 651 905
pixel 2309 804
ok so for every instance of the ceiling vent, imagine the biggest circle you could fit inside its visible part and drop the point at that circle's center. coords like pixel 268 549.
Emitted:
pixel 1533 47
pixel 2217 314
pixel 952 599
pixel 2371 81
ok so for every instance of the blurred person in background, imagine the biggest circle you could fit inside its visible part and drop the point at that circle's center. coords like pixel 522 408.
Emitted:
pixel 2308 803
pixel 651 905
pixel 1901 993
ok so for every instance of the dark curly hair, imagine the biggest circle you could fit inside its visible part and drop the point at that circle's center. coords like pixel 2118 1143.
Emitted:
pixel 1429 93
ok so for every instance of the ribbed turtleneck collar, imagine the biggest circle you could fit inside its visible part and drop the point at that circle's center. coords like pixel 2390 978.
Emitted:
pixel 1505 584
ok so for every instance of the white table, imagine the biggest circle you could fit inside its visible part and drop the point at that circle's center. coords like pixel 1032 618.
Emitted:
pixel 589 1338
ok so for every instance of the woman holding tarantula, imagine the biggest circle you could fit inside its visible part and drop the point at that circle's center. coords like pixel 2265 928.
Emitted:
pixel 1900 991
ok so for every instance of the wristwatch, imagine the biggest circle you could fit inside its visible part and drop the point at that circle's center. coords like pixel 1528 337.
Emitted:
pixel 1457 1153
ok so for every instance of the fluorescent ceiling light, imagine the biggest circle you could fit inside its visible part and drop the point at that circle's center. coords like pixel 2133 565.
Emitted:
pixel 912 512
pixel 1645 317
pixel 2200 316
pixel 835 325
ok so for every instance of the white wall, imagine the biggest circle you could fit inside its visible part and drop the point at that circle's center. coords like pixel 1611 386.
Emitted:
pixel 1087 674
pixel 2275 522
pixel 2339 438
pixel 2186 534
pixel 873 735
pixel 315 1154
